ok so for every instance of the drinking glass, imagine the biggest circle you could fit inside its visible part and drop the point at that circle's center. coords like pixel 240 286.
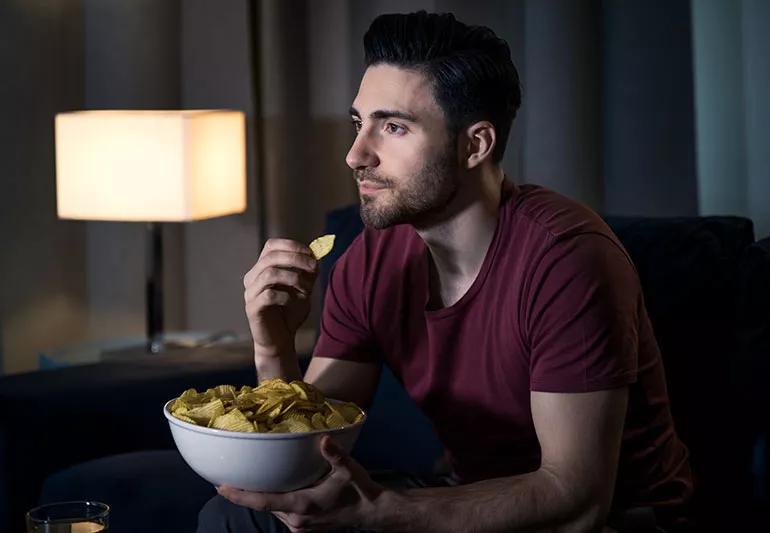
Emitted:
pixel 69 517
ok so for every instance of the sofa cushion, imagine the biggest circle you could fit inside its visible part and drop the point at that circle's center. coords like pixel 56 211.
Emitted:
pixel 690 273
pixel 754 338
pixel 151 491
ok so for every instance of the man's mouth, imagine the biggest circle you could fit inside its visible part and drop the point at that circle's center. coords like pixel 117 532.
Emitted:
pixel 368 187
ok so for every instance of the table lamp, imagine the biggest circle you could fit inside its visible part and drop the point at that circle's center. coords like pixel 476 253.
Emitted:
pixel 151 167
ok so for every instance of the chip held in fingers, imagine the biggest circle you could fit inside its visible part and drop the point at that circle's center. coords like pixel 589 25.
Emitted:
pixel 322 246
pixel 274 406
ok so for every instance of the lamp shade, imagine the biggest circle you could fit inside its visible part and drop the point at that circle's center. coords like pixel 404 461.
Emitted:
pixel 152 166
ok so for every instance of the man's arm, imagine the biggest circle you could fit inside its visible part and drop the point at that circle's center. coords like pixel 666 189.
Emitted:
pixel 344 380
pixel 277 293
pixel 580 436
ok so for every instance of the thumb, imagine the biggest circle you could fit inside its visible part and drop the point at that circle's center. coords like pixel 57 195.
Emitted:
pixel 346 471
pixel 332 452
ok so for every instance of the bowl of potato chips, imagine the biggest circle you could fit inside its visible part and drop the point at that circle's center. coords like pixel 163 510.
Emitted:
pixel 264 438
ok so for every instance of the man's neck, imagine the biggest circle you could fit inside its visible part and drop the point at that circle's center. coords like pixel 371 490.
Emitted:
pixel 459 244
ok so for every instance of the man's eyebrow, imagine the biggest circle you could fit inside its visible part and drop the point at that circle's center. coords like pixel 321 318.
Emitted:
pixel 386 113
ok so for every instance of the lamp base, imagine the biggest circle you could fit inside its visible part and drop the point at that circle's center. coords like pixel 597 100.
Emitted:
pixel 154 287
pixel 155 345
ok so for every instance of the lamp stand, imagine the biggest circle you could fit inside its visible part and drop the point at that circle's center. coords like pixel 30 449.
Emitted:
pixel 154 287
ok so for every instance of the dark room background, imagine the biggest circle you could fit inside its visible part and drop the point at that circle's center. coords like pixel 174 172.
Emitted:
pixel 637 107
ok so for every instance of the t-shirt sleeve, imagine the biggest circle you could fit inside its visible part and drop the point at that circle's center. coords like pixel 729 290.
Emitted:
pixel 345 332
pixel 583 317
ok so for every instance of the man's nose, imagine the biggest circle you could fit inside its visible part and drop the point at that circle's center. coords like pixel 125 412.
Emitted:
pixel 361 154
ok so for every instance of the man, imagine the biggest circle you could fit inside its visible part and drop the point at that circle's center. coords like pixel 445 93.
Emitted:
pixel 503 307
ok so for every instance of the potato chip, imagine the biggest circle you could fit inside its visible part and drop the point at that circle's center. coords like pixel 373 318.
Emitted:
pixel 178 405
pixel 297 415
pixel 308 405
pixel 275 384
pixel 288 408
pixel 274 406
pixel 322 246
pixel 300 390
pixel 318 421
pixel 296 425
pixel 269 403
pixel 209 395
pixel 185 418
pixel 281 427
pixel 335 420
pixel 349 411
pixel 247 400
pixel 188 393
pixel 205 413
pixel 233 421
pixel 333 409
pixel 225 391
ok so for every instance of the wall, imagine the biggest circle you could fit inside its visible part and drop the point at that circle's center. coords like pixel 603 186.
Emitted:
pixel 647 113
pixel 42 260
pixel 191 55
pixel 63 282
pixel 562 105
pixel 132 61
pixel 608 118
pixel 216 73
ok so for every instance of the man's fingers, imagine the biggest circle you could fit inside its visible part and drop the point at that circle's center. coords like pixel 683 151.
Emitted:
pixel 260 501
pixel 295 522
pixel 277 277
pixel 286 518
pixel 286 245
pixel 286 259
pixel 281 259
pixel 261 296
pixel 333 454
pixel 340 462
pixel 345 471
pixel 272 296
pixel 273 279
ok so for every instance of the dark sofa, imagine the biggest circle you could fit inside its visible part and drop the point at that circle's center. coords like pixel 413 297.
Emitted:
pixel 97 432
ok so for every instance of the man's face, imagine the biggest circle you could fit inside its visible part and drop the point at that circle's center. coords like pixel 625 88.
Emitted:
pixel 403 158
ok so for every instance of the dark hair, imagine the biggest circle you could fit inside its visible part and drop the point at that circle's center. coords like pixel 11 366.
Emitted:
pixel 469 67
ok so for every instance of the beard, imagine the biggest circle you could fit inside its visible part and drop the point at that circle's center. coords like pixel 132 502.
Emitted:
pixel 416 199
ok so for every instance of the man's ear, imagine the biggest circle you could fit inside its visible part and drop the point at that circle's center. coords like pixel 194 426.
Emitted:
pixel 479 141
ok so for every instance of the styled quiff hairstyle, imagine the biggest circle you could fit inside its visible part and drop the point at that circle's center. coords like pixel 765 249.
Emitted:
pixel 469 67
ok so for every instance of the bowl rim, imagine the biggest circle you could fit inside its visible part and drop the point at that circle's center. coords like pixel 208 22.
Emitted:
pixel 257 435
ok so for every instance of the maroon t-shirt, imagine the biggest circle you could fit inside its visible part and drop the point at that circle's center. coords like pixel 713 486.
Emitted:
pixel 556 307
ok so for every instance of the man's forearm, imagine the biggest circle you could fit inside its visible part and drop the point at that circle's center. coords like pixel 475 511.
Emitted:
pixel 285 366
pixel 530 502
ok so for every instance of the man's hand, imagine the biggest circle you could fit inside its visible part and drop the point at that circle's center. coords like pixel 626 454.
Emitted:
pixel 277 298
pixel 344 498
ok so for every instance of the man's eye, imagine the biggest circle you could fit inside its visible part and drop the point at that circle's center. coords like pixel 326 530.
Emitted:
pixel 395 128
pixel 356 125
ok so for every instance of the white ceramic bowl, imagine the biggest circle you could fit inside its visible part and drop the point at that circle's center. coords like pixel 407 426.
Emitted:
pixel 267 462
